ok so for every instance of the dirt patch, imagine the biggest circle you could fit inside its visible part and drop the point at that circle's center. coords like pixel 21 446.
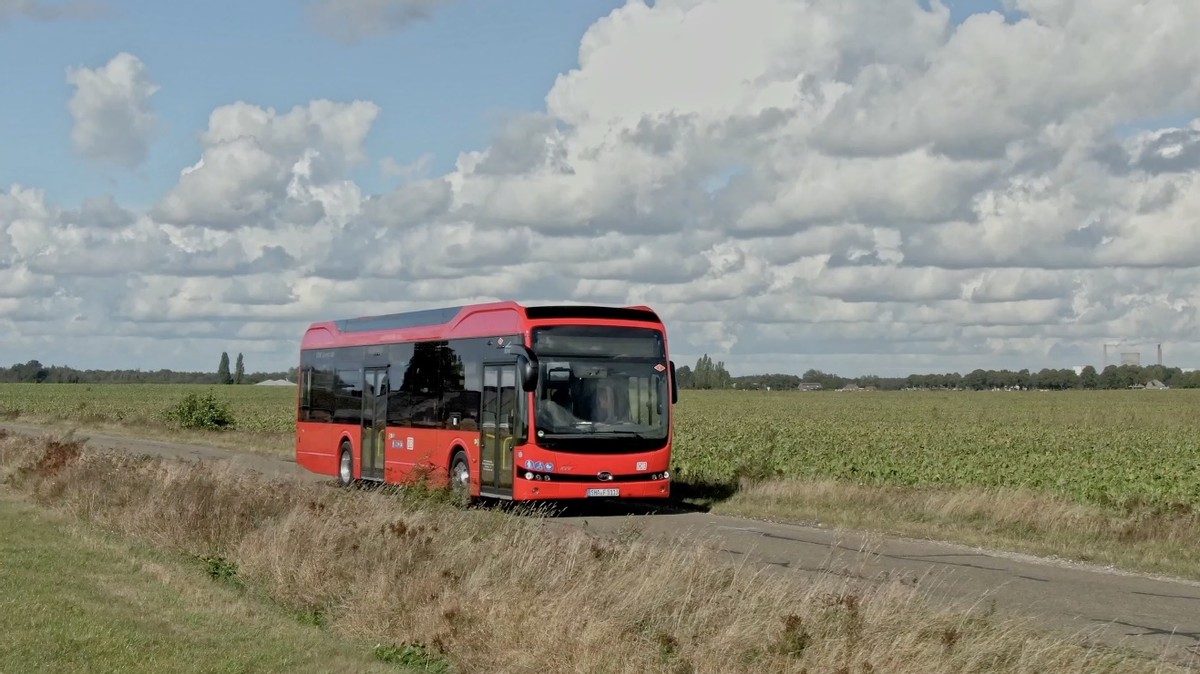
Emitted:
pixel 56 455
pixel 52 457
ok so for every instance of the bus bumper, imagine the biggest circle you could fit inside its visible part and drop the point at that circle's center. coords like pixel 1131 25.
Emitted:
pixel 540 489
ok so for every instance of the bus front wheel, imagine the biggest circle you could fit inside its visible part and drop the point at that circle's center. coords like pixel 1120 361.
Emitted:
pixel 345 466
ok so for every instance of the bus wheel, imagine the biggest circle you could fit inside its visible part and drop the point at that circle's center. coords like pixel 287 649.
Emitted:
pixel 460 474
pixel 345 466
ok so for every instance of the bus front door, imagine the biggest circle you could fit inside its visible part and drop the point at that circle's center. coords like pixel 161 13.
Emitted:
pixel 374 422
pixel 496 437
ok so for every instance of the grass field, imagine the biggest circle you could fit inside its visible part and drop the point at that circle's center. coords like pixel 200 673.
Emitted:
pixel 1122 449
pixel 1107 476
pixel 258 409
pixel 264 414
pixel 440 587
pixel 130 608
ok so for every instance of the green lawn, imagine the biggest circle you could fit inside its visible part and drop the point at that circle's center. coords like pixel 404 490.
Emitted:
pixel 74 600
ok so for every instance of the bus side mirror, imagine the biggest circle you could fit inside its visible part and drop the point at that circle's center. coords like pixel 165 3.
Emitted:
pixel 528 372
pixel 674 385
pixel 527 365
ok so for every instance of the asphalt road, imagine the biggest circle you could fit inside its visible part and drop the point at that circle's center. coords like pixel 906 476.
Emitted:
pixel 1159 616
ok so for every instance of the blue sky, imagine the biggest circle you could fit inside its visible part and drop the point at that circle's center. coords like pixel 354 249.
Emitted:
pixel 443 84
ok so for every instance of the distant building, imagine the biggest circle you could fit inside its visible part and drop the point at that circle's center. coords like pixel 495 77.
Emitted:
pixel 275 382
pixel 806 386
pixel 1156 384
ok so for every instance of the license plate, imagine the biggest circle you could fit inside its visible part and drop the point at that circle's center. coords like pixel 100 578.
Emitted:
pixel 604 492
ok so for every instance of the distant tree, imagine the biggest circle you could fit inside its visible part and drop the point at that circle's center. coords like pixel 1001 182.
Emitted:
pixel 1089 378
pixel 869 380
pixel 827 381
pixel 683 374
pixel 32 372
pixel 223 370
pixel 1186 379
pixel 773 381
pixel 239 370
pixel 710 375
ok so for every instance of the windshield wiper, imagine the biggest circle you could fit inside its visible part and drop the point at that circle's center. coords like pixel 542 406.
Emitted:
pixel 599 433
pixel 568 436
pixel 625 434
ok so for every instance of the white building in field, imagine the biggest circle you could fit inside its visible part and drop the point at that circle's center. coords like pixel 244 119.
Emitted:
pixel 275 382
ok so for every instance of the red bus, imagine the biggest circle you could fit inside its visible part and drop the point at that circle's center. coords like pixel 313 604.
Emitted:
pixel 498 400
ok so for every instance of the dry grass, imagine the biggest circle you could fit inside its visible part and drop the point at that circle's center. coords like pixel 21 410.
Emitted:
pixel 1162 541
pixel 490 592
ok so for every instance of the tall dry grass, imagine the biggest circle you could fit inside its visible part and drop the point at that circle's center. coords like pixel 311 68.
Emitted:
pixel 489 591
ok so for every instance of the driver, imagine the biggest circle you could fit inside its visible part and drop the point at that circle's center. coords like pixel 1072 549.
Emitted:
pixel 604 405
pixel 556 412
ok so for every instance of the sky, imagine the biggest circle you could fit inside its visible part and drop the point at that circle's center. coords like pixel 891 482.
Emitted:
pixel 878 187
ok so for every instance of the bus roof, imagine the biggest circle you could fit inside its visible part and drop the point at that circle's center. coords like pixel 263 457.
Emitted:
pixel 473 320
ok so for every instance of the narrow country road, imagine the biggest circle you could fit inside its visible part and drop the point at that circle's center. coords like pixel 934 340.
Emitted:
pixel 1154 615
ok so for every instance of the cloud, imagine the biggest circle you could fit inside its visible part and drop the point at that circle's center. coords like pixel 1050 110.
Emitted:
pixel 111 111
pixel 261 168
pixel 857 187
pixel 350 21
pixel 46 11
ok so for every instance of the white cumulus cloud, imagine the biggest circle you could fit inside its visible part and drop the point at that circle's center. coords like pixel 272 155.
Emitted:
pixel 113 119
pixel 857 187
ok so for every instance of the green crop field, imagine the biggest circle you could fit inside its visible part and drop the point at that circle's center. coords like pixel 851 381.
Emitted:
pixel 1126 449
pixel 1122 449
pixel 259 409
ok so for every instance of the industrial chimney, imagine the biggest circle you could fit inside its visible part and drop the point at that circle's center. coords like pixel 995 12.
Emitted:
pixel 1160 355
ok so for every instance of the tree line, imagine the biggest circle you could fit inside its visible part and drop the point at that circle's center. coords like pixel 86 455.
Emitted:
pixel 34 372
pixel 706 374
pixel 710 375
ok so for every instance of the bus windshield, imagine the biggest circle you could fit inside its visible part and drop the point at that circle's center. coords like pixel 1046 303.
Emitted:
pixel 597 382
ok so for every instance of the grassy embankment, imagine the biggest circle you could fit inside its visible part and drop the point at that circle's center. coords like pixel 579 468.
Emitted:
pixel 73 598
pixel 1101 476
pixel 470 590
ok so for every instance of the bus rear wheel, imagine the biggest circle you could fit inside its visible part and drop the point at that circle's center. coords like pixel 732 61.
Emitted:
pixel 460 475
pixel 345 466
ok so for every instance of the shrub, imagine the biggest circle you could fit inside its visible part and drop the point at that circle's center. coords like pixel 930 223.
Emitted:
pixel 414 656
pixel 201 411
